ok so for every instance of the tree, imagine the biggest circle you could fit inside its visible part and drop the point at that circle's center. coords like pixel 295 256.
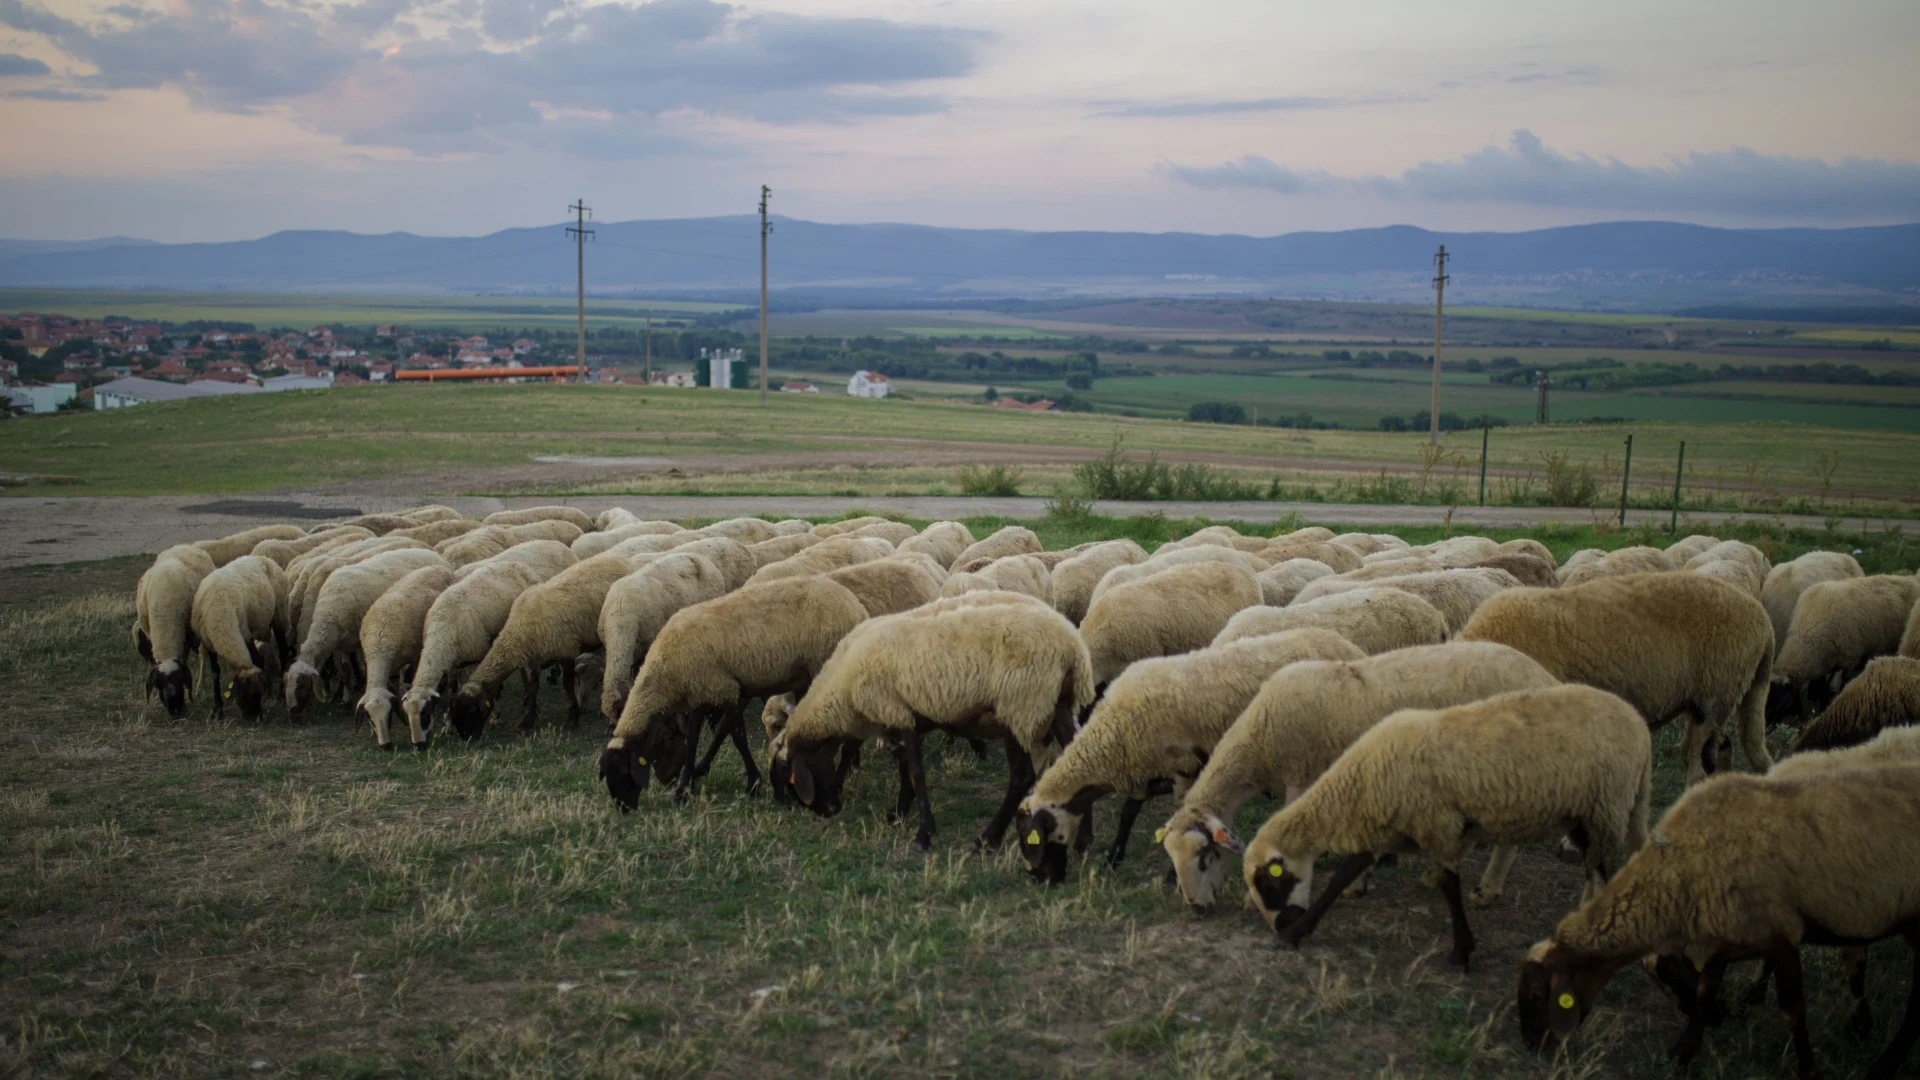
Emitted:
pixel 1080 380
pixel 1392 423
pixel 1217 412
pixel 991 395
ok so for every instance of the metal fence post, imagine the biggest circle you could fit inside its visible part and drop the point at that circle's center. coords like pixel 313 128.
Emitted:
pixel 1626 468
pixel 1673 526
pixel 1483 463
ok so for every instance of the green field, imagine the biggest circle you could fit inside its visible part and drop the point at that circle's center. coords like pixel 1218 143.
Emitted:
pixel 998 333
pixel 300 311
pixel 209 898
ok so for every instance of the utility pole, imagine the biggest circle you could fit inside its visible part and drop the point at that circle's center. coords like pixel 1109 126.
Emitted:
pixel 765 228
pixel 649 375
pixel 1540 405
pixel 579 231
pixel 1439 295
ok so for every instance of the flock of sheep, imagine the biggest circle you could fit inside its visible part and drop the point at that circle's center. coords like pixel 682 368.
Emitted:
pixel 1401 699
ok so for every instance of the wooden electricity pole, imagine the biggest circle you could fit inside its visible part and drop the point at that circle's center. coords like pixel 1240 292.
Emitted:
pixel 1439 296
pixel 765 228
pixel 649 368
pixel 579 231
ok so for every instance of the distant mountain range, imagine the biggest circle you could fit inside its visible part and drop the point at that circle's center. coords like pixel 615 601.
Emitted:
pixel 1628 265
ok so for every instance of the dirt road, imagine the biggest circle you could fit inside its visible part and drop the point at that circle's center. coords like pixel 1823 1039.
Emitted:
pixel 45 530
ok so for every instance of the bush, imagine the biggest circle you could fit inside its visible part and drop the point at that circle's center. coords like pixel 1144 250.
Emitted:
pixel 1080 380
pixel 1392 423
pixel 1569 483
pixel 1217 412
pixel 1112 476
pixel 990 479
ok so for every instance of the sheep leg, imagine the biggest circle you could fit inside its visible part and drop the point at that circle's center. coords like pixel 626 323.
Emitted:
pixel 692 722
pixel 1694 750
pixel 1019 782
pixel 849 758
pixel 1493 881
pixel 1129 810
pixel 1462 933
pixel 1706 1013
pixel 902 802
pixel 213 683
pixel 1790 987
pixel 721 717
pixel 979 748
pixel 737 728
pixel 1757 994
pixel 573 700
pixel 1297 931
pixel 917 773
pixel 1904 1039
pixel 530 701
pixel 1860 1024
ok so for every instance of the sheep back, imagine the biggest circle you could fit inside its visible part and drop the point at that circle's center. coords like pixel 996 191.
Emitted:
pixel 1455 594
pixel 888 586
pixel 1840 625
pixel 1279 584
pixel 1886 694
pixel 1784 584
pixel 576 518
pixel 1012 540
pixel 1375 618
pixel 1074 579
pixel 228 548
pixel 1177 610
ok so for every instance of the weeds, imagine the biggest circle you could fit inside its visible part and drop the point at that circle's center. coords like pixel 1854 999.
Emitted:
pixel 1000 480
pixel 1113 476
pixel 1569 483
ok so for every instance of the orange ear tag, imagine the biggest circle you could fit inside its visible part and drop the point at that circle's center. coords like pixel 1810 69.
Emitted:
pixel 1219 836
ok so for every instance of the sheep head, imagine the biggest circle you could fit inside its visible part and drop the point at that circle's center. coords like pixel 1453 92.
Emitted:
pixel 250 694
pixel 1044 832
pixel 418 704
pixel 302 686
pixel 813 778
pixel 1198 844
pixel 471 707
pixel 169 680
pixel 1279 892
pixel 1557 990
pixel 626 772
pixel 1786 702
pixel 375 709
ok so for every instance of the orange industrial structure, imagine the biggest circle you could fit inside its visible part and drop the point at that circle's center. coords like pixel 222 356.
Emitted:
pixel 551 374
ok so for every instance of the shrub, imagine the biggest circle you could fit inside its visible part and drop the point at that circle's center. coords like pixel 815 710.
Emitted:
pixel 1569 483
pixel 1080 380
pixel 990 479
pixel 1217 412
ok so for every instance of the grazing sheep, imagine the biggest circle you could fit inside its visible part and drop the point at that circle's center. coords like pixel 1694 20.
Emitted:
pixel 893 532
pixel 1681 550
pixel 239 615
pixel 1525 545
pixel 1837 627
pixel 790 527
pixel 460 628
pixel 1279 584
pixel 391 634
pixel 1747 867
pixel 1024 574
pixel 1581 558
pixel 772 551
pixel 1742 564
pixel 1359 543
pixel 1339 559
pixel 1376 619
pixel 1670 644
pixel 162 621
pixel 826 556
pixel 1304 718
pixel 552 622
pixel 1453 551
pixel 638 605
pixel 431 512
pixel 1529 570
pixel 1627 560
pixel 829 529
pixel 615 517
pixel 1910 638
pixel 1891 746
pixel 594 543
pixel 1416 563
pixel 481 543
pixel 1455 594
pixel 1786 582
pixel 1152 734
pixel 888 586
pixel 747 530
pixel 1075 579
pixel 306 579
pixel 434 532
pixel 546 529
pixel 944 540
pixel 1012 540
pixel 380 524
pixel 1052 559
pixel 228 548
pixel 1211 536
pixel 1252 564
pixel 649 544
pixel 1389 541
pixel 546 557
pixel 1516 768
pixel 567 514
pixel 1319 534
pixel 1886 694
pixel 924 561
pixel 708 662
pixel 730 556
pixel 1177 610
pixel 285 551
pixel 337 611
pixel 1013 671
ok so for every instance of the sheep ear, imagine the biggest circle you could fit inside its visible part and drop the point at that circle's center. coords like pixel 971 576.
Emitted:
pixel 802 779
pixel 1563 1005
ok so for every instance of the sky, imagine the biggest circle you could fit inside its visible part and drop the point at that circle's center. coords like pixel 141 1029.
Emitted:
pixel 187 120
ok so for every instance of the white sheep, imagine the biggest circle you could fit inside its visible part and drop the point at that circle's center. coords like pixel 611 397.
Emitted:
pixel 1519 767
pixel 828 555
pixel 747 530
pixel 1282 582
pixel 1627 560
pixel 636 608
pixel 1741 563
pixel 1012 540
pixel 772 551
pixel 284 552
pixel 228 548
pixel 1837 627
pixel 305 578
pixel 337 612
pixel 240 616
pixel 890 586
pixel 1455 594
pixel 435 532
pixel 828 529
pixel 1374 618
pixel 1177 610
pixel 568 514
pixel 461 626
pixel 1074 579
pixel 1786 582
pixel 944 540
pixel 1151 734
pixel 594 543
pixel 391 633
pixel 1304 717
pixel 1024 574
pixel 162 621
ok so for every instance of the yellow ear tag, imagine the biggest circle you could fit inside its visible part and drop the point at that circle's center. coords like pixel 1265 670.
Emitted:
pixel 1699 965
pixel 1275 869
pixel 1566 1001
pixel 1159 835
pixel 640 760
pixel 1033 837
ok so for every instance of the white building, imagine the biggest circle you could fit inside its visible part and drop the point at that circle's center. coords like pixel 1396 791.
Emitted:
pixel 720 367
pixel 121 393
pixel 869 384
pixel 38 400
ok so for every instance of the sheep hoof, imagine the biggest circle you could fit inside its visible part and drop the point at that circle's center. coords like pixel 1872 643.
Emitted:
pixel 1482 898
pixel 1288 940
pixel 387 746
pixel 1459 960
pixel 1355 891
pixel 421 747
pixel 923 843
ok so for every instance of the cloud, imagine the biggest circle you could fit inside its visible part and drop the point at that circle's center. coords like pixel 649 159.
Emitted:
pixel 1738 182
pixel 499 72
pixel 1255 105
pixel 52 94
pixel 12 64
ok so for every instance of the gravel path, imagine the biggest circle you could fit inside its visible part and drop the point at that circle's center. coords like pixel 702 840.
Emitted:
pixel 53 530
